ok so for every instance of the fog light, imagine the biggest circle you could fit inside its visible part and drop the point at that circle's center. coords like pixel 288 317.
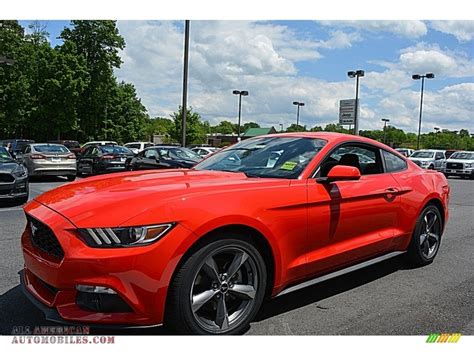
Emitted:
pixel 95 289
pixel 21 186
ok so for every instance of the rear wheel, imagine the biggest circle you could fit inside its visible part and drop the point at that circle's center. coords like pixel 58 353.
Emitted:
pixel 71 177
pixel 218 290
pixel 426 237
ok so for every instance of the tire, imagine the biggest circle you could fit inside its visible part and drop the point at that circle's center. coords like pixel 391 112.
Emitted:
pixel 431 167
pixel 71 177
pixel 425 242
pixel 21 200
pixel 223 310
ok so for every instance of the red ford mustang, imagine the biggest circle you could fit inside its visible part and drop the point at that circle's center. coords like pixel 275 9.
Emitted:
pixel 200 249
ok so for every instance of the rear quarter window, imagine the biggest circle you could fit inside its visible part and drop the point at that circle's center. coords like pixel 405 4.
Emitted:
pixel 393 163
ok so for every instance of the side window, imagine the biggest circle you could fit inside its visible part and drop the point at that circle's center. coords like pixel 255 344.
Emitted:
pixel 151 154
pixel 147 145
pixel 95 151
pixel 26 149
pixel 393 163
pixel 365 158
pixel 439 155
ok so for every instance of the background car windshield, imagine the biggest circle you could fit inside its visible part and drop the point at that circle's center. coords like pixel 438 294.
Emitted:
pixel 46 148
pixel 422 155
pixel 116 149
pixel 462 155
pixel 274 157
pixel 4 155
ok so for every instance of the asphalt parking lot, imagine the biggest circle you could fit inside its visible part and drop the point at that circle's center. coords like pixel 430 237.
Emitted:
pixel 384 299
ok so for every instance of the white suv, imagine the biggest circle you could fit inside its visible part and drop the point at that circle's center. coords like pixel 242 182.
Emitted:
pixel 460 164
pixel 429 159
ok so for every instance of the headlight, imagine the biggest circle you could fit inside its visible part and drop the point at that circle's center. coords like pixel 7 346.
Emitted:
pixel 20 171
pixel 123 236
pixel 468 165
pixel 424 162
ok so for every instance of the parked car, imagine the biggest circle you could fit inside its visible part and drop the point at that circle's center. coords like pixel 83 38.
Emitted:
pixel 13 178
pixel 204 151
pixel 450 152
pixel 460 164
pixel 98 159
pixel 15 145
pixel 46 159
pixel 201 249
pixel 406 152
pixel 137 147
pixel 163 157
pixel 429 159
pixel 73 146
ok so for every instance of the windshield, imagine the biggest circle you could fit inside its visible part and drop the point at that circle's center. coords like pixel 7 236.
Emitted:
pixel 115 149
pixel 421 154
pixel 179 153
pixel 47 148
pixel 463 155
pixel 5 156
pixel 274 157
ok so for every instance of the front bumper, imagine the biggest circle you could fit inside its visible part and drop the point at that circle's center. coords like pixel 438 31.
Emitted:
pixel 139 275
pixel 16 189
pixel 459 172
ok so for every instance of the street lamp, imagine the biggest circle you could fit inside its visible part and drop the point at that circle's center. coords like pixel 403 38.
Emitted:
pixel 384 120
pixel 356 74
pixel 422 77
pixel 298 104
pixel 281 127
pixel 436 129
pixel 240 93
pixel 184 105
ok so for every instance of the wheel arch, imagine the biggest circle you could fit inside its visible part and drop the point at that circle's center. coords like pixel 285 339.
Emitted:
pixel 255 236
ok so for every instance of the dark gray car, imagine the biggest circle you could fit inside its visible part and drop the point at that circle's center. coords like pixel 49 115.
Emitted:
pixel 13 179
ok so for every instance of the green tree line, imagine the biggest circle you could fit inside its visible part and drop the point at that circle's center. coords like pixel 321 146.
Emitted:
pixel 68 91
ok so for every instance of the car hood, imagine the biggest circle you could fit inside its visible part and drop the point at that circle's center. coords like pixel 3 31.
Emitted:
pixel 460 161
pixel 8 167
pixel 421 159
pixel 113 199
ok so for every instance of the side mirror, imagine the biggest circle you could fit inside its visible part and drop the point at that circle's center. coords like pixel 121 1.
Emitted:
pixel 340 173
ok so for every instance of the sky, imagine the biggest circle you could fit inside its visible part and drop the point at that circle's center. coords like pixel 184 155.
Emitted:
pixel 279 62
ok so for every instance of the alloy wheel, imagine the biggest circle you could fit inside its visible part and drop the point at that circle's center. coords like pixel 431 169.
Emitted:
pixel 224 290
pixel 430 234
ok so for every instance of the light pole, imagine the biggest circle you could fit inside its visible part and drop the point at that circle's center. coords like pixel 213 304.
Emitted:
pixel 281 127
pixel 240 93
pixel 298 105
pixel 356 74
pixel 184 105
pixel 385 120
pixel 422 77
pixel 436 129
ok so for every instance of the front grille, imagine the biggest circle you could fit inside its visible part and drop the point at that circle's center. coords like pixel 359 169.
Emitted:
pixel 454 165
pixel 6 177
pixel 43 238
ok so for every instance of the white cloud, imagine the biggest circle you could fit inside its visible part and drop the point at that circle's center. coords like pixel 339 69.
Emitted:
pixel 262 57
pixel 462 30
pixel 410 29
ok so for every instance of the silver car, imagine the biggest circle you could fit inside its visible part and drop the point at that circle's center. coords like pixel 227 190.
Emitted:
pixel 42 159
pixel 429 159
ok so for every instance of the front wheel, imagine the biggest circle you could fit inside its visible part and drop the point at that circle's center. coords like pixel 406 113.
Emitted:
pixel 426 237
pixel 218 289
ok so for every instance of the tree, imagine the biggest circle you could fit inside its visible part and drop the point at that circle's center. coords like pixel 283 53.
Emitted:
pixel 296 128
pixel 99 43
pixel 248 125
pixel 195 129
pixel 224 127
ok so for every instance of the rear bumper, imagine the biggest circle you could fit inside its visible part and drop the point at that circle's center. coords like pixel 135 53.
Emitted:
pixel 50 171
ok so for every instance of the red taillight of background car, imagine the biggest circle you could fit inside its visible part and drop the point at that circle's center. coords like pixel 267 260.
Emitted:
pixel 71 156
pixel 37 156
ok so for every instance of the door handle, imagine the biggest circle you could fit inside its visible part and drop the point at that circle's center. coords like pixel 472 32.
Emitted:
pixel 391 190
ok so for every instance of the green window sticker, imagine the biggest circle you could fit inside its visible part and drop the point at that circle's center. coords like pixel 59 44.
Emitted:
pixel 289 165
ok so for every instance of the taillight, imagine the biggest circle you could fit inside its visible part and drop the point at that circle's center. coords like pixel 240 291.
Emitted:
pixel 37 156
pixel 107 157
pixel 71 156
